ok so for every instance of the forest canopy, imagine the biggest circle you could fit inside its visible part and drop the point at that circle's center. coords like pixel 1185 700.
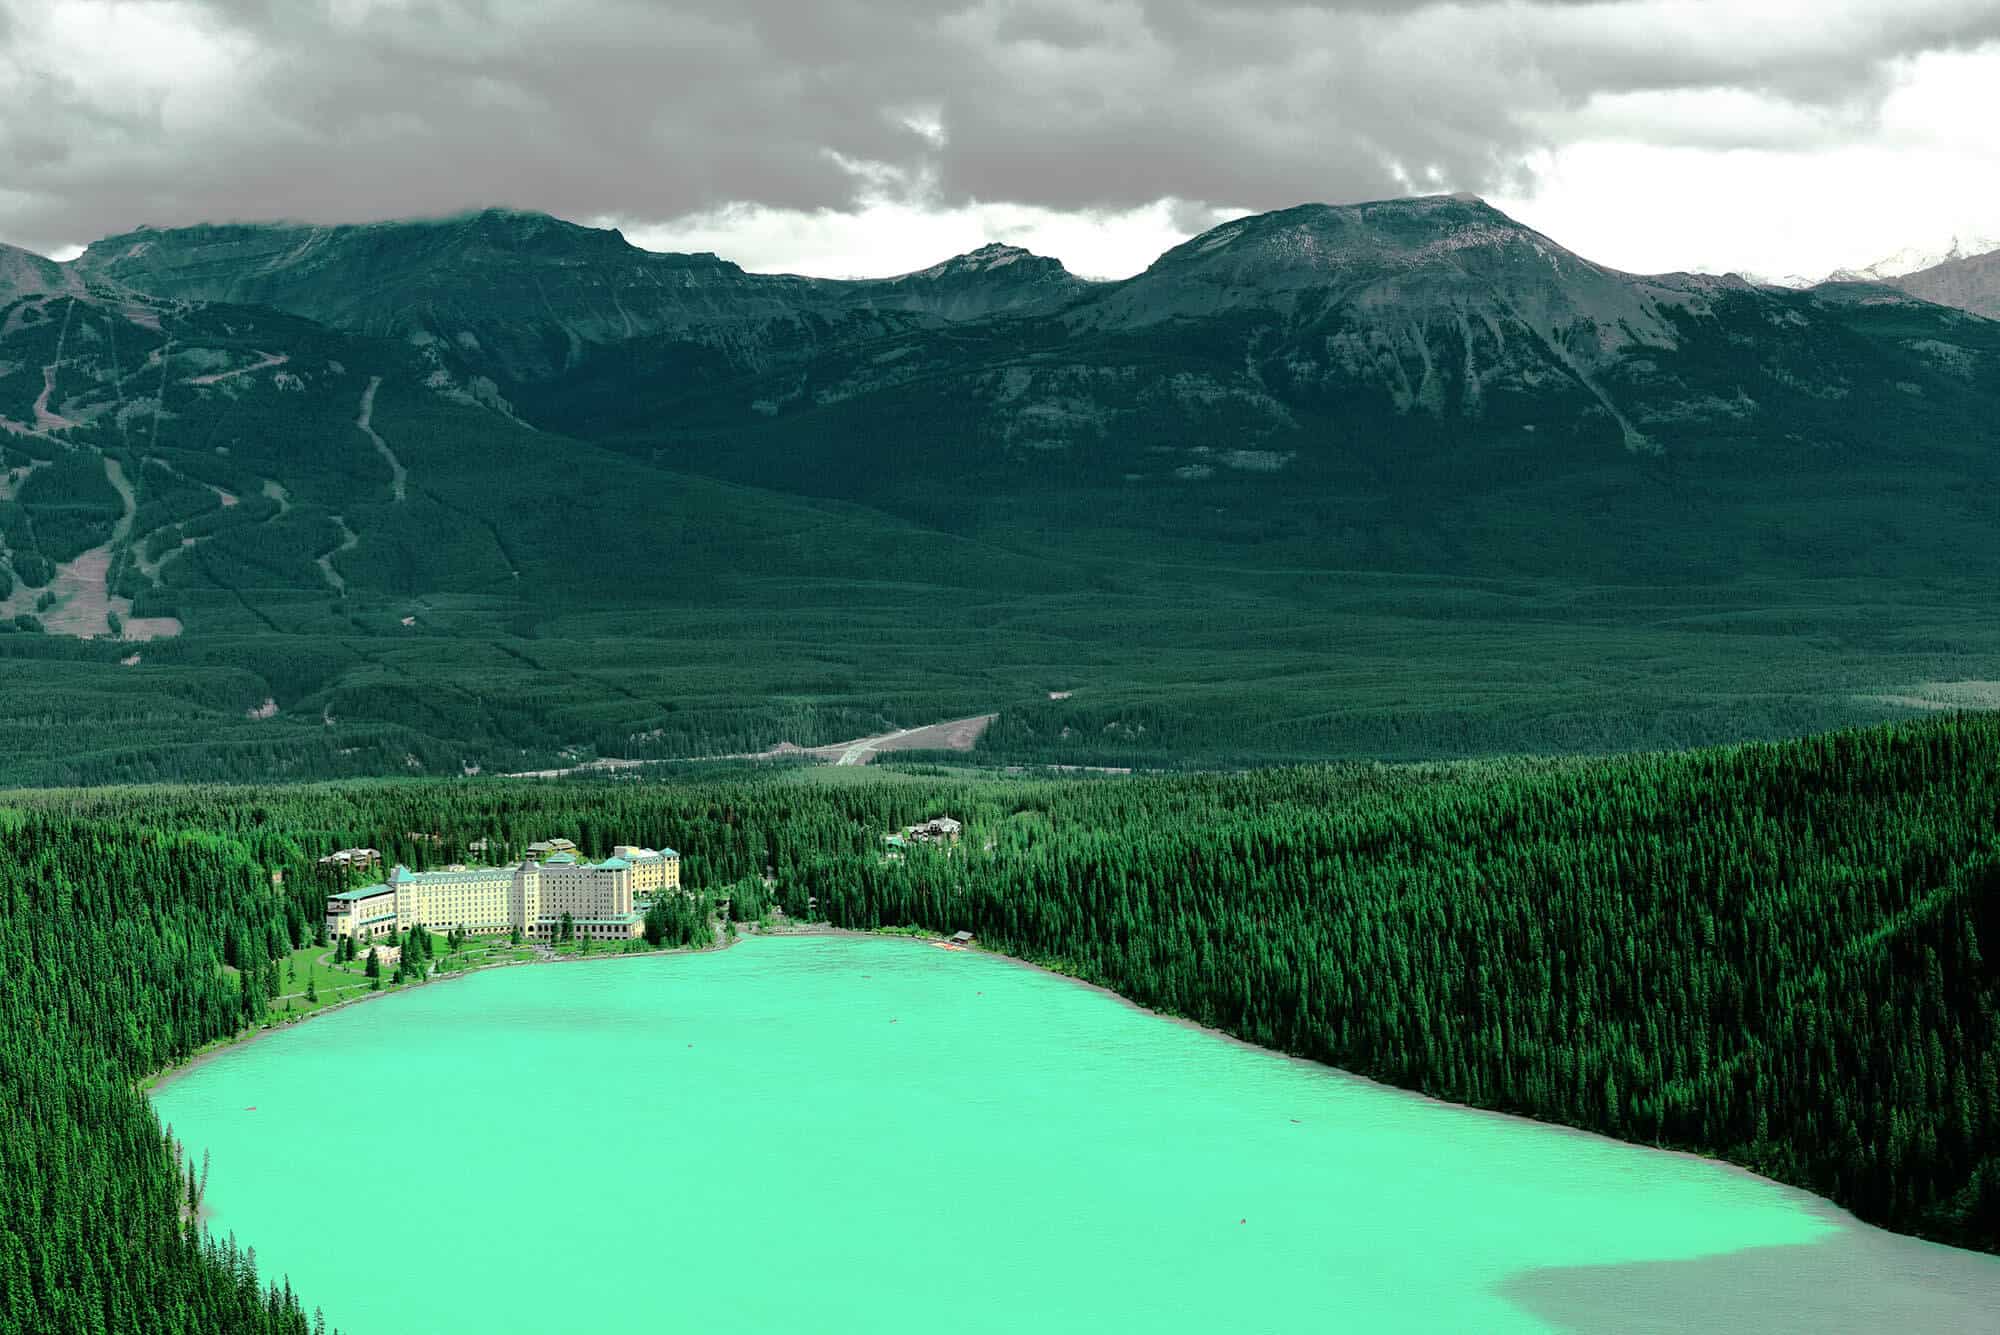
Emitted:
pixel 1780 954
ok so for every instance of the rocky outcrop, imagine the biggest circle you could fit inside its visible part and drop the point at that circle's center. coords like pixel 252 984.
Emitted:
pixel 1971 283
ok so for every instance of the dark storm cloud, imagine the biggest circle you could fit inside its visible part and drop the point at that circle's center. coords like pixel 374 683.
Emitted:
pixel 653 110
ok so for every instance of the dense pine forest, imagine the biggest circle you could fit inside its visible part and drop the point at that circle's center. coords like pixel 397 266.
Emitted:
pixel 1774 953
pixel 112 943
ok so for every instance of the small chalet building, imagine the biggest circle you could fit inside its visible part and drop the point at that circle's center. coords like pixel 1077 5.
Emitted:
pixel 363 914
pixel 937 830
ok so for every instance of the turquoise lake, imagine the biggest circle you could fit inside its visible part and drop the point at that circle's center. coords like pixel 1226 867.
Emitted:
pixel 833 1134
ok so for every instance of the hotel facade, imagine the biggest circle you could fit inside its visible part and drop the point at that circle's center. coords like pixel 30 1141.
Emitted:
pixel 530 898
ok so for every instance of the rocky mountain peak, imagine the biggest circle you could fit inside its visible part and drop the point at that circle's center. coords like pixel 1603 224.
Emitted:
pixel 1915 259
pixel 995 279
pixel 1312 244
pixel 994 260
pixel 1395 261
pixel 1970 282
pixel 518 230
pixel 23 273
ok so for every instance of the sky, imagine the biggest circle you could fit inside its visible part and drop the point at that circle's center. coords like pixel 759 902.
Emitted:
pixel 869 137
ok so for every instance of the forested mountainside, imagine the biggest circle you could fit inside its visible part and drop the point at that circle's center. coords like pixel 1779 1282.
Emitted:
pixel 239 506
pixel 525 296
pixel 216 447
pixel 1418 383
pixel 1779 954
pixel 500 492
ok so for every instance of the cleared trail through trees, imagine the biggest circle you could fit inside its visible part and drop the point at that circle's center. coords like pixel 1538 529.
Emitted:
pixel 264 361
pixel 165 353
pixel 46 418
pixel 348 540
pixel 81 586
pixel 400 475
pixel 956 735
pixel 952 735
pixel 114 472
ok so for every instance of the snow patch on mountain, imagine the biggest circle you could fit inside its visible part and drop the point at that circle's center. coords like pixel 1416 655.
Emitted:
pixel 1914 259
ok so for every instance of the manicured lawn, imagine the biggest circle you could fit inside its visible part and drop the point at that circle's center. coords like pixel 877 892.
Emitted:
pixel 332 982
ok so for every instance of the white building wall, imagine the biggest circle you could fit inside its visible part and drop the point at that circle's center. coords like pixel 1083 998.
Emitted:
pixel 586 892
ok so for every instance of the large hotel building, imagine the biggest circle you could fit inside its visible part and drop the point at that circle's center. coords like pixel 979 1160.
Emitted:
pixel 531 897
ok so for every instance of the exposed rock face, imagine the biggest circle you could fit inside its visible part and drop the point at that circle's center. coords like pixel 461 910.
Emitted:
pixel 992 280
pixel 26 274
pixel 1912 259
pixel 1971 284
pixel 1442 301
pixel 1407 258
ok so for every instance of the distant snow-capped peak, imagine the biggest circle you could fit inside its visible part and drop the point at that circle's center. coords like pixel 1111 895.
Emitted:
pixel 1914 259
pixel 993 255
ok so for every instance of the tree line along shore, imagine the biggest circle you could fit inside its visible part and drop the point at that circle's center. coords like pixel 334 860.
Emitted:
pixel 1778 954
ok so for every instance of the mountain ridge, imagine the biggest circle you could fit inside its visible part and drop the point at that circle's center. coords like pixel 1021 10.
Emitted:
pixel 984 472
pixel 23 273
pixel 499 231
pixel 528 296
pixel 1911 260
pixel 1968 282
pixel 1441 306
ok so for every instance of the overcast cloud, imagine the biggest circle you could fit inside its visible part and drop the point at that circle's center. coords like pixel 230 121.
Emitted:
pixel 843 136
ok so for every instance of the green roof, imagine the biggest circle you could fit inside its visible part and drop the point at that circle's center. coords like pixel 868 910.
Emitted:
pixel 615 864
pixel 365 892
pixel 564 858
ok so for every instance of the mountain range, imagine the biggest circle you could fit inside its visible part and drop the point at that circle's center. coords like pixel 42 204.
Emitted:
pixel 1913 259
pixel 528 296
pixel 468 480
pixel 1970 282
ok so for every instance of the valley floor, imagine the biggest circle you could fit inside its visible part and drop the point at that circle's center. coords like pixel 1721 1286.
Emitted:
pixel 1382 668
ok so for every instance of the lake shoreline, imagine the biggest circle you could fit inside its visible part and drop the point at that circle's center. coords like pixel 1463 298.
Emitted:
pixel 1831 1213
pixel 1726 1285
pixel 167 1075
